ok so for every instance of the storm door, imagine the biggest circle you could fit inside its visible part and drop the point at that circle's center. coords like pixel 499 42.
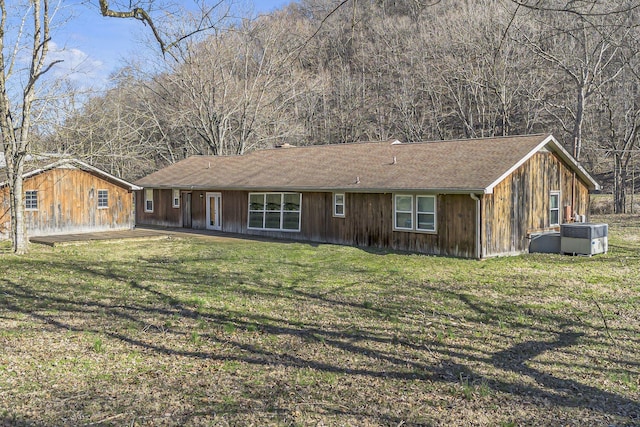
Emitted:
pixel 213 211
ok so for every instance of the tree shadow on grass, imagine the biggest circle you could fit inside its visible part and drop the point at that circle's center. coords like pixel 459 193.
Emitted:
pixel 10 421
pixel 398 366
pixel 564 391
pixel 558 391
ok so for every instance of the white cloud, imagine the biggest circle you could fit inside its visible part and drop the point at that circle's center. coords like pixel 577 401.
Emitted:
pixel 75 65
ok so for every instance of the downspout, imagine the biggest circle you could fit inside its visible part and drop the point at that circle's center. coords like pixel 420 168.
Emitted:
pixel 574 211
pixel 478 246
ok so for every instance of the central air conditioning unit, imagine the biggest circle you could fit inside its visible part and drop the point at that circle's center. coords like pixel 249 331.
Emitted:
pixel 584 238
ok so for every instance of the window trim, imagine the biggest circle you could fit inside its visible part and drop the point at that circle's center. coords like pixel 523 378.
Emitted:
pixel 434 213
pixel 336 204
pixel 106 192
pixel 148 207
pixel 32 199
pixel 396 211
pixel 414 227
pixel 175 197
pixel 282 211
pixel 557 208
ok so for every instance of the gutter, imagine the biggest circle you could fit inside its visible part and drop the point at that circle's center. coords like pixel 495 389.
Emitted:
pixel 314 189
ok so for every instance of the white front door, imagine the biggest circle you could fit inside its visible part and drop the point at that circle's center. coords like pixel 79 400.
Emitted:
pixel 214 214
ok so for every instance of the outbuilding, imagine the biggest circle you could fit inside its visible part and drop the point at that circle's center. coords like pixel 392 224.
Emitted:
pixel 69 196
pixel 471 198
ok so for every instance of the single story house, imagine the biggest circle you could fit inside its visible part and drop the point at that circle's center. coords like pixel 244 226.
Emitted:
pixel 472 198
pixel 68 196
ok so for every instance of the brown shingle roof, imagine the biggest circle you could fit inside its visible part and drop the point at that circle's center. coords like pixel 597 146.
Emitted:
pixel 454 166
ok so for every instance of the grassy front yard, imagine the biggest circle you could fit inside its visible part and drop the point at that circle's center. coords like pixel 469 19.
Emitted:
pixel 240 332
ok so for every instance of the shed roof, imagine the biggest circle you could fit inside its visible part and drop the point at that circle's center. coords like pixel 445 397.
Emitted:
pixel 35 165
pixel 467 165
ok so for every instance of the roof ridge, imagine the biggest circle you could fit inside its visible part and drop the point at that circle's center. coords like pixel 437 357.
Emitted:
pixel 390 141
pixel 484 138
pixel 464 165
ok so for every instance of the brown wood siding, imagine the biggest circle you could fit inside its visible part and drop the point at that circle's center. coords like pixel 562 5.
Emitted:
pixel 582 197
pixel 68 202
pixel 368 222
pixel 519 205
pixel 198 210
pixel 235 210
pixel 164 214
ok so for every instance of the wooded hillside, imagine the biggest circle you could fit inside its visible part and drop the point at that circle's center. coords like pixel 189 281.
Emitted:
pixel 373 70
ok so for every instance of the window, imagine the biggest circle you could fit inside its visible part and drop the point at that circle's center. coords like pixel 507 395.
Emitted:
pixel 176 198
pixel 275 211
pixel 31 200
pixel 415 213
pixel 148 199
pixel 103 199
pixel 554 209
pixel 426 213
pixel 404 212
pixel 338 204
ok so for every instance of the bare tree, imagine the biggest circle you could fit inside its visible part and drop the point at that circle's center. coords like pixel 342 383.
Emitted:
pixel 27 34
pixel 206 17
pixel 580 8
pixel 325 71
pixel 233 88
pixel 116 132
pixel 583 40
pixel 620 106
pixel 16 109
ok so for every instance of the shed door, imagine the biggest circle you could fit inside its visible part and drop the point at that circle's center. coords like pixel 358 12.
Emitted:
pixel 186 210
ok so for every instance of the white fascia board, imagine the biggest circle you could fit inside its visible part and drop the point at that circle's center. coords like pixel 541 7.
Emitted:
pixel 557 148
pixel 33 172
pixel 489 189
pixel 83 166
pixel 564 154
pixel 86 166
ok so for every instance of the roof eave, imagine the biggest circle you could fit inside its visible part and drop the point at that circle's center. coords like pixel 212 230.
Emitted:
pixel 576 166
pixel 564 155
pixel 84 166
pixel 120 181
pixel 81 165
pixel 442 190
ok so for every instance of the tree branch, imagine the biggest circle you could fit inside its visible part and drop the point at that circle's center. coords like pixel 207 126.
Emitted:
pixel 540 5
pixel 135 13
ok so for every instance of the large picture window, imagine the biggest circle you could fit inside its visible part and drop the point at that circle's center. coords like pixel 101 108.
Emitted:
pixel 31 200
pixel 414 212
pixel 148 199
pixel 275 211
pixel 554 208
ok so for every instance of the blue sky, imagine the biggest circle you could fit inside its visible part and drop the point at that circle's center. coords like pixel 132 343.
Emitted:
pixel 94 46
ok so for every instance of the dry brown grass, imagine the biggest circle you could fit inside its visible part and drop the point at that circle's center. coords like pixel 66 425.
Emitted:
pixel 240 332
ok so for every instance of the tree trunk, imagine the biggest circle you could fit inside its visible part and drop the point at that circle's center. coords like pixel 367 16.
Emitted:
pixel 619 178
pixel 18 226
pixel 577 130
